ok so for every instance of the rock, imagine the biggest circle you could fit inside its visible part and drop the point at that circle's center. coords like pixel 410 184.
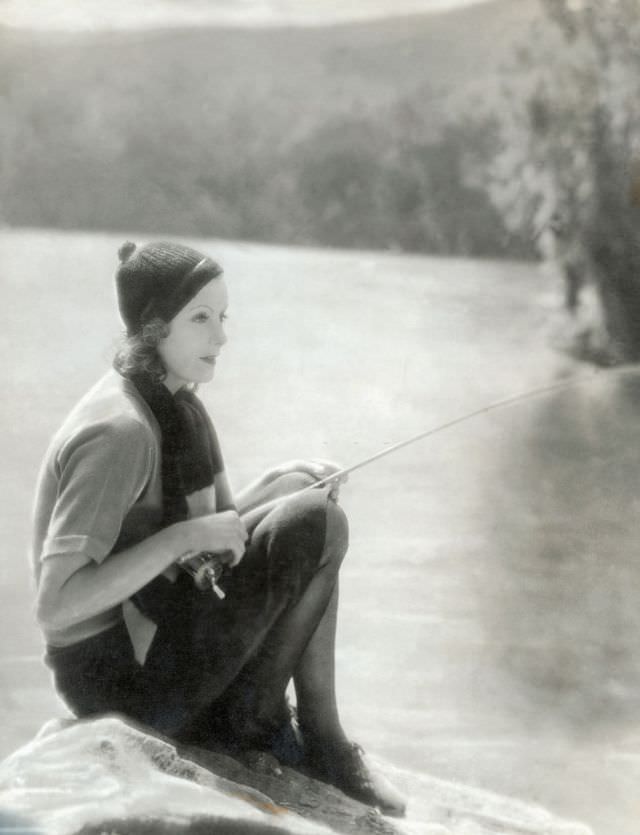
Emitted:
pixel 109 777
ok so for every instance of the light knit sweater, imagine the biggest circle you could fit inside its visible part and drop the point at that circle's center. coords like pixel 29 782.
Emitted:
pixel 99 489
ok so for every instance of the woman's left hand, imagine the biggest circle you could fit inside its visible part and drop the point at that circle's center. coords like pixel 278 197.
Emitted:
pixel 317 468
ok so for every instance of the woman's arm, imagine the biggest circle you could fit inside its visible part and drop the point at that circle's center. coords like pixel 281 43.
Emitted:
pixel 100 471
pixel 73 588
pixel 254 495
pixel 225 499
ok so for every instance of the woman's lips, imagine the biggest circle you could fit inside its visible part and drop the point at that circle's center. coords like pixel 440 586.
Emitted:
pixel 209 360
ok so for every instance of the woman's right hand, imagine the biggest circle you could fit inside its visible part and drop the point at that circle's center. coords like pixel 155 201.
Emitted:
pixel 219 533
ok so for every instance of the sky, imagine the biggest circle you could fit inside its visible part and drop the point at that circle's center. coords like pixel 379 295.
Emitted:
pixel 125 14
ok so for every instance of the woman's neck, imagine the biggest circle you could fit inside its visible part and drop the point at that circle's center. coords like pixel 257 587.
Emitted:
pixel 173 383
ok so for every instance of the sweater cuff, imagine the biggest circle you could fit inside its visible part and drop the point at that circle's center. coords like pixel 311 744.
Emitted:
pixel 91 547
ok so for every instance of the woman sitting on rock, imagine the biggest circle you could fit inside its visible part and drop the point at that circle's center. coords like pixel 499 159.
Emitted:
pixel 132 487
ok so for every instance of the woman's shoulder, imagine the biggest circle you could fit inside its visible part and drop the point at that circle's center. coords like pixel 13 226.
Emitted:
pixel 112 414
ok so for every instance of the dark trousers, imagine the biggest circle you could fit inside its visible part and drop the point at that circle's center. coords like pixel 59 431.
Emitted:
pixel 205 650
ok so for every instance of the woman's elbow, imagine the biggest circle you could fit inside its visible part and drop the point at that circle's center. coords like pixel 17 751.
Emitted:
pixel 46 614
pixel 58 607
pixel 55 610
pixel 51 615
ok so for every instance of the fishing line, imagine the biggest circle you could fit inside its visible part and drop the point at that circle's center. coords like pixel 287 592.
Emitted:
pixel 505 402
pixel 208 567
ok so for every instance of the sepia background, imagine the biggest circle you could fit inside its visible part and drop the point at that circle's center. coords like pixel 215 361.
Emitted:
pixel 422 208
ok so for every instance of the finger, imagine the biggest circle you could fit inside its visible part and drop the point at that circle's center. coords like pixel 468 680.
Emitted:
pixel 240 533
pixel 238 554
pixel 227 556
pixel 328 467
pixel 233 554
pixel 336 478
pixel 317 468
pixel 333 482
pixel 314 469
pixel 296 465
pixel 314 465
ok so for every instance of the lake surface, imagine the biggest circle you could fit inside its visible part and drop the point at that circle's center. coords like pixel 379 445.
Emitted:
pixel 91 15
pixel 490 622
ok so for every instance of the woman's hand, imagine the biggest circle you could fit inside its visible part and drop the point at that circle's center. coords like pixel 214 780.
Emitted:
pixel 221 533
pixel 317 468
pixel 266 488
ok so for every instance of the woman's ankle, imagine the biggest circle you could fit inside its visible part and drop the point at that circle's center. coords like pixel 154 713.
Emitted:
pixel 322 745
pixel 347 769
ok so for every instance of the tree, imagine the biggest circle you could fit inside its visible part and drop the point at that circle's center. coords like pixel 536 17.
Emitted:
pixel 569 158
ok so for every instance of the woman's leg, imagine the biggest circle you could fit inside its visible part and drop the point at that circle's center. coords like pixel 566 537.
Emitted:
pixel 300 644
pixel 314 670
pixel 225 672
pixel 328 751
pixel 285 596
pixel 314 678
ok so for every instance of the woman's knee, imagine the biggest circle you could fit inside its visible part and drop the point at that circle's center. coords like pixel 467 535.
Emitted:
pixel 336 539
pixel 309 530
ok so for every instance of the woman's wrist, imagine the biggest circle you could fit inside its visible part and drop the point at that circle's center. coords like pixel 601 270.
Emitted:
pixel 267 477
pixel 178 540
pixel 247 497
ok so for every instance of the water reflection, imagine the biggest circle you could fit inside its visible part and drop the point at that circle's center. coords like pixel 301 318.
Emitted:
pixel 561 590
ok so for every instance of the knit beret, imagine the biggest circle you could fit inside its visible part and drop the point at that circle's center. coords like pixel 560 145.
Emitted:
pixel 158 279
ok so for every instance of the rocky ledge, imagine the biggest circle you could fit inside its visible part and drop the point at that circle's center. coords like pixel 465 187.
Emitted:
pixel 109 777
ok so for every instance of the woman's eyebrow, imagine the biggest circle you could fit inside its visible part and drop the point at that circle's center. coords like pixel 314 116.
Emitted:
pixel 198 306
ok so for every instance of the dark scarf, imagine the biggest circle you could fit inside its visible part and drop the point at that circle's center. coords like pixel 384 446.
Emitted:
pixel 191 454
pixel 191 458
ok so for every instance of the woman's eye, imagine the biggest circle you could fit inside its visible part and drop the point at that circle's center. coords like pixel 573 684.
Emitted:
pixel 201 317
pixel 223 317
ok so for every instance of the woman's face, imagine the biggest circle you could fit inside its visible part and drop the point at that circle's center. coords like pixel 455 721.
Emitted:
pixel 196 335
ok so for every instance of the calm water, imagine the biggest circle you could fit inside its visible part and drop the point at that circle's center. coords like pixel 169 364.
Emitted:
pixel 91 15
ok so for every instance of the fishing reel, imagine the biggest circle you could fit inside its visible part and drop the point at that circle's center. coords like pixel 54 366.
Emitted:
pixel 205 568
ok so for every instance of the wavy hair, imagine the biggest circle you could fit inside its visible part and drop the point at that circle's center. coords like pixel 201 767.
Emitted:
pixel 138 353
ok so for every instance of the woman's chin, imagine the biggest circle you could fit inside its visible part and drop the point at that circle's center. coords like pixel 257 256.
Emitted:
pixel 206 375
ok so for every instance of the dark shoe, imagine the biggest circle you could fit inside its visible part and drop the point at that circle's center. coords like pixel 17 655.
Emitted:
pixel 278 736
pixel 287 744
pixel 347 770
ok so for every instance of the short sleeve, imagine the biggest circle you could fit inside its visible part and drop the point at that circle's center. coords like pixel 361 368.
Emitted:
pixel 216 451
pixel 101 471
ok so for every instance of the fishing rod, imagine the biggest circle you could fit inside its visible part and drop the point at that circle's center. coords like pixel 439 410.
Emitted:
pixel 206 568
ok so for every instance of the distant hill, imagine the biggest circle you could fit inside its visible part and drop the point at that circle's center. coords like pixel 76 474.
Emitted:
pixel 327 135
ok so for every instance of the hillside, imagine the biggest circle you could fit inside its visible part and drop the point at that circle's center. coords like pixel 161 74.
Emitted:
pixel 323 135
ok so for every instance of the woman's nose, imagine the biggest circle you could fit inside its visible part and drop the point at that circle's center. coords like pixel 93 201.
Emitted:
pixel 218 336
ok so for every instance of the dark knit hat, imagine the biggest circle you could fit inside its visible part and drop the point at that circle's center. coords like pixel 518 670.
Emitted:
pixel 158 280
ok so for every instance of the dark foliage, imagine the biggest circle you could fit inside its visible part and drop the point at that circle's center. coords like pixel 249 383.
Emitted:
pixel 351 136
